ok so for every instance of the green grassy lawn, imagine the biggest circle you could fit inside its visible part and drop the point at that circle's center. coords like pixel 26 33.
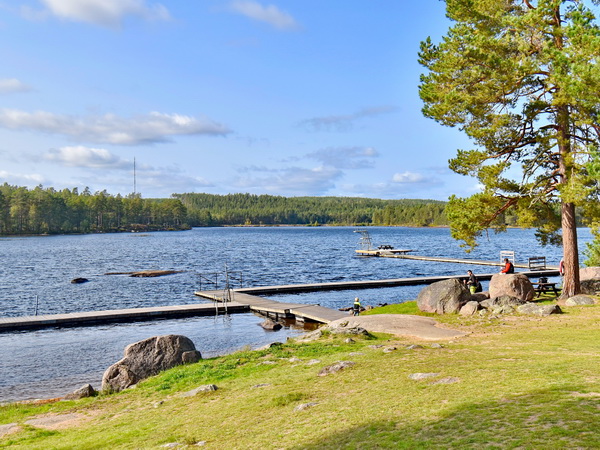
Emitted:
pixel 514 382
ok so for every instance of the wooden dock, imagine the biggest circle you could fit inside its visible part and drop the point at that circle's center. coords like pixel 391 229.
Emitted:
pixel 88 318
pixel 403 254
pixel 374 284
pixel 245 300
pixel 278 310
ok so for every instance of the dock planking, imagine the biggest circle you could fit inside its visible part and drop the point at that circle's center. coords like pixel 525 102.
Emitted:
pixel 277 310
pixel 88 318
pixel 374 284
pixel 246 299
pixel 403 254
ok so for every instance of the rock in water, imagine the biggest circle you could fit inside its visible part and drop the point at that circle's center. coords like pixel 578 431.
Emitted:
pixel 443 297
pixel 271 325
pixel 149 357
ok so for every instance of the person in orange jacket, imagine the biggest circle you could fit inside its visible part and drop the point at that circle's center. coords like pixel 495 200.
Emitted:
pixel 508 267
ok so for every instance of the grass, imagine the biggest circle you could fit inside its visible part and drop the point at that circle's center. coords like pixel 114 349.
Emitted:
pixel 521 382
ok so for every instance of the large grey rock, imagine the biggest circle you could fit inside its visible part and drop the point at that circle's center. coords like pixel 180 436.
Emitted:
pixel 589 273
pixel 539 310
pixel 515 285
pixel 507 300
pixel 470 308
pixel 579 300
pixel 443 297
pixel 480 296
pixel 149 357
pixel 590 287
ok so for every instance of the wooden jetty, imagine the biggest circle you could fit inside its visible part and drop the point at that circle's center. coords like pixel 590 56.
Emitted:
pixel 88 318
pixel 403 254
pixel 278 310
pixel 245 300
pixel 374 284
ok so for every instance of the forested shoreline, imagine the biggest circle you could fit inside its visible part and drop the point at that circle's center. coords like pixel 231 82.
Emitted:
pixel 48 211
pixel 42 210
pixel 250 209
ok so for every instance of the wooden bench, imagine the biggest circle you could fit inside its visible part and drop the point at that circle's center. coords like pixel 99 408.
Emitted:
pixel 537 263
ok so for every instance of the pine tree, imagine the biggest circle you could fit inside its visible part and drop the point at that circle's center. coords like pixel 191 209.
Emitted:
pixel 521 78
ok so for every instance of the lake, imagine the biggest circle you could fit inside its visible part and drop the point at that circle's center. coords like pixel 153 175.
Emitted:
pixel 37 271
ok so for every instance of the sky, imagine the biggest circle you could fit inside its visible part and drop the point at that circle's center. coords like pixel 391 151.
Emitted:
pixel 280 97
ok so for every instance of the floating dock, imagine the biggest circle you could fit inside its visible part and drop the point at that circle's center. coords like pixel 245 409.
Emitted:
pixel 374 284
pixel 87 318
pixel 278 310
pixel 245 300
pixel 403 254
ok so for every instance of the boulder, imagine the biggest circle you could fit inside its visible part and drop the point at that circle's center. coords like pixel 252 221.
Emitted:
pixel 590 287
pixel 589 273
pixel 480 296
pixel 579 300
pixel 470 308
pixel 443 297
pixel 515 285
pixel 539 310
pixel 486 304
pixel 84 391
pixel 507 300
pixel 149 357
pixel 271 325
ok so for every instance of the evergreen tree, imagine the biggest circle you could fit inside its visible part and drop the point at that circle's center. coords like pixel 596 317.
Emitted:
pixel 521 79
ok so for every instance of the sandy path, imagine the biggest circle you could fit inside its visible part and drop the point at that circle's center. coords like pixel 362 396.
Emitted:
pixel 401 325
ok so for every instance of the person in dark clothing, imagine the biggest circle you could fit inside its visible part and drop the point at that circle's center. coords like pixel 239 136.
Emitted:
pixel 356 306
pixel 473 283
pixel 508 267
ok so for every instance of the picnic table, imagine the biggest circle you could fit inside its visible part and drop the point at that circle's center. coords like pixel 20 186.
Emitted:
pixel 540 287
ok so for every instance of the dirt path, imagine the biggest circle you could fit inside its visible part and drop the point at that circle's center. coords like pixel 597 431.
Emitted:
pixel 402 325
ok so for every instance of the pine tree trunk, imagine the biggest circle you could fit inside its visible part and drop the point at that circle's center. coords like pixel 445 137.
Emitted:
pixel 571 285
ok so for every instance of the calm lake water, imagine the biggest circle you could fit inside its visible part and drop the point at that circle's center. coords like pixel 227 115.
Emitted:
pixel 36 273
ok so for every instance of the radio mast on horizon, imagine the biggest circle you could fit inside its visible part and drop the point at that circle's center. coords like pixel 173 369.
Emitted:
pixel 134 180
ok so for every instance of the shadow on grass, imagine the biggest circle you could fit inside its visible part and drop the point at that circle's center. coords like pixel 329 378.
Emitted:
pixel 566 418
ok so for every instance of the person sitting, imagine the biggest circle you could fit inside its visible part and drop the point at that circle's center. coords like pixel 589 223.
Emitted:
pixel 508 267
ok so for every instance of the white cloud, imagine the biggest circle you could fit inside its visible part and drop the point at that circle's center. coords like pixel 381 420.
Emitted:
pixel 346 157
pixel 80 156
pixel 8 85
pixel 343 122
pixel 408 178
pixel 107 13
pixel 269 14
pixel 110 129
pixel 293 181
pixel 20 179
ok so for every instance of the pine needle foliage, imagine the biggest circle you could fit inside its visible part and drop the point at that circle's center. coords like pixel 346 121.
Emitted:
pixel 521 79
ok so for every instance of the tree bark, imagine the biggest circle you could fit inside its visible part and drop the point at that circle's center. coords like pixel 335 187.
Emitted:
pixel 571 285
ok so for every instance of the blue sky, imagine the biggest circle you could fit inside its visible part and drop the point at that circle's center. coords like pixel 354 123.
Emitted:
pixel 285 97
